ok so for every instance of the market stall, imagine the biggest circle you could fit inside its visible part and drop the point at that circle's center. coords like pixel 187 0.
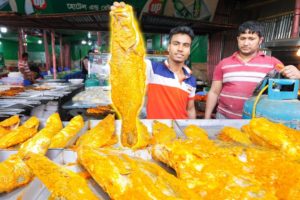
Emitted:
pixel 125 157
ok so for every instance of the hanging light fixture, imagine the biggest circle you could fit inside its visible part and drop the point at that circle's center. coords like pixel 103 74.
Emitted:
pixel 3 29
pixel 83 42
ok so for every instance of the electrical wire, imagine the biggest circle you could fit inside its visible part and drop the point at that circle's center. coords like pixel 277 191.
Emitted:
pixel 257 99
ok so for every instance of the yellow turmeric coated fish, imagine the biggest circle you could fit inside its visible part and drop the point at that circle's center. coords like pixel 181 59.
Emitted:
pixel 9 124
pixel 195 132
pixel 210 171
pixel 21 134
pixel 61 139
pixel 128 74
pixel 14 172
pixel 61 182
pixel 126 178
pixel 162 133
pixel 40 142
pixel 103 134
pixel 231 134
pixel 275 136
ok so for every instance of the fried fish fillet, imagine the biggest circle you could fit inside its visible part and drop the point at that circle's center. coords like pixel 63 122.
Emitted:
pixel 21 134
pixel 61 182
pixel 9 124
pixel 231 134
pixel 40 142
pixel 128 74
pixel 61 139
pixel 162 133
pixel 14 172
pixel 123 177
pixel 276 136
pixel 103 134
pixel 210 171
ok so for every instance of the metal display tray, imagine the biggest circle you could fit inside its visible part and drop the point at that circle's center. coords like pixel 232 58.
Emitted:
pixel 37 191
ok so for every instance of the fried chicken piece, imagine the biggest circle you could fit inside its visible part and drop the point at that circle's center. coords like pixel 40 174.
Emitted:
pixel 123 177
pixel 21 134
pixel 61 182
pixel 61 139
pixel 127 58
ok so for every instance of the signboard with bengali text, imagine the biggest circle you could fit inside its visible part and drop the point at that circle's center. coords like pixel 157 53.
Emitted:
pixel 191 9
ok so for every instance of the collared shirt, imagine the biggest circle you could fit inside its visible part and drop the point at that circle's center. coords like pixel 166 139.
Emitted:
pixel 239 80
pixel 167 95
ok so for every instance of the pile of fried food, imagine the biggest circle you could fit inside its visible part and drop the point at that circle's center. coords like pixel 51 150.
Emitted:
pixel 100 110
pixel 260 161
pixel 13 91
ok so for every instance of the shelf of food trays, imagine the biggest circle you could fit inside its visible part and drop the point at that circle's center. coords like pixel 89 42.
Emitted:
pixel 90 97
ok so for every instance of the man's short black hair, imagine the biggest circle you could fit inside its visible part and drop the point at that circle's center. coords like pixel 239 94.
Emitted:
pixel 181 30
pixel 250 27
pixel 24 55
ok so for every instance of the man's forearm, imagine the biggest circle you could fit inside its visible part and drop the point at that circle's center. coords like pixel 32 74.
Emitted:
pixel 211 103
pixel 192 113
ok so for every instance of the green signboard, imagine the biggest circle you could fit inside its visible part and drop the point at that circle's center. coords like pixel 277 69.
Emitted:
pixel 192 9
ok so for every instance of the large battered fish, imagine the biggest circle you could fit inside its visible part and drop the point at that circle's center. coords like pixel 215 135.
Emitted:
pixel 128 74
pixel 124 177
pixel 61 182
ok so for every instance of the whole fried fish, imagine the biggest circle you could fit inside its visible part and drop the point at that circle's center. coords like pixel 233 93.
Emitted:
pixel 128 74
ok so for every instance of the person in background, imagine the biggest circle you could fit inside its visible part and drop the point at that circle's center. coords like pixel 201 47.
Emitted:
pixel 236 77
pixel 170 85
pixel 25 70
pixel 35 69
pixel 84 63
